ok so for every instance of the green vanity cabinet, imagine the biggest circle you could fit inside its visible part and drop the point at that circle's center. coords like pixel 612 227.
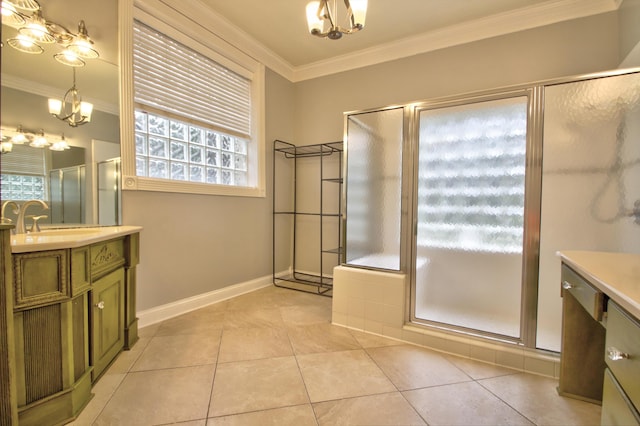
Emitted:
pixel 72 315
pixel 107 320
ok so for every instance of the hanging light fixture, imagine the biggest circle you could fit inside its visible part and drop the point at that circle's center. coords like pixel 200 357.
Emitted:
pixel 326 11
pixel 34 29
pixel 71 108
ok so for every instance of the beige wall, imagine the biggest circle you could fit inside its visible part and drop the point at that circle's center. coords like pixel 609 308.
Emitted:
pixel 193 244
pixel 629 14
pixel 564 49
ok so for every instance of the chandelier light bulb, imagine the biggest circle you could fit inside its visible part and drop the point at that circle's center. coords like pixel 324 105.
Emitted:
pixel 25 44
pixel 314 22
pixel 69 58
pixel 36 29
pixel 82 44
pixel 10 15
pixel 359 9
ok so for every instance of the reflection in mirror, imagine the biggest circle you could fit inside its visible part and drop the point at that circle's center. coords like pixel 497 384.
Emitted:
pixel 67 180
pixel 109 200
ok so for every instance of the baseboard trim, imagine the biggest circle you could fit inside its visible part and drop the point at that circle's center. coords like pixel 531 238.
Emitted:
pixel 164 312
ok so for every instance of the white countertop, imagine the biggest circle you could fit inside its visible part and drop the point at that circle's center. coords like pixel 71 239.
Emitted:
pixel 53 239
pixel 615 274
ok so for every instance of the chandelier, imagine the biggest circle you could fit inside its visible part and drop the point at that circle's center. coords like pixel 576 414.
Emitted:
pixel 324 12
pixel 71 108
pixel 35 30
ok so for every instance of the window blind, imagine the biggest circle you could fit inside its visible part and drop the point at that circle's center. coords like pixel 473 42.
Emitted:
pixel 181 82
pixel 24 160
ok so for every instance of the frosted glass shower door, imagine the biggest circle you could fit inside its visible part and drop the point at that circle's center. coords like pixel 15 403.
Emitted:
pixel 590 181
pixel 374 188
pixel 470 215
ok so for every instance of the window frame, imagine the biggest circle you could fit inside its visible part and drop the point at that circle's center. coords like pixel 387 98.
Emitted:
pixel 163 18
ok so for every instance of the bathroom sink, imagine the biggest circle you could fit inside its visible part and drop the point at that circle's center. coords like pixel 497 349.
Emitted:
pixel 64 238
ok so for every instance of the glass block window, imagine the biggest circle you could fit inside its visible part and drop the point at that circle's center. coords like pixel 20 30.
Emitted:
pixel 197 115
pixel 471 176
pixel 22 187
pixel 176 150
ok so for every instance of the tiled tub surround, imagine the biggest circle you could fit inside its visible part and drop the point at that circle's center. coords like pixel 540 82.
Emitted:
pixel 374 302
pixel 272 356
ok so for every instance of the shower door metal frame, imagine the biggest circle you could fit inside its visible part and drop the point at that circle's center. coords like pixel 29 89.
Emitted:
pixel 406 183
pixel 531 214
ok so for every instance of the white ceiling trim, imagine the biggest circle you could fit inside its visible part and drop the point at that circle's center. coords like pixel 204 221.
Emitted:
pixel 522 19
pixel 212 22
pixel 504 23
pixel 43 90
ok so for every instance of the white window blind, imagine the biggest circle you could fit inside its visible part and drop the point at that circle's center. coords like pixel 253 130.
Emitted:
pixel 173 79
pixel 24 160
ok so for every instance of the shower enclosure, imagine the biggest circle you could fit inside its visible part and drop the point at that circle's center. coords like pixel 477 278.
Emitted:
pixel 471 197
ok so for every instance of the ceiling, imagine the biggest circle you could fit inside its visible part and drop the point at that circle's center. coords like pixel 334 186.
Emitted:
pixel 277 30
pixel 280 25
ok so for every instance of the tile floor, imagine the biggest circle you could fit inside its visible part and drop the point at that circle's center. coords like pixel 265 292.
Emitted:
pixel 272 357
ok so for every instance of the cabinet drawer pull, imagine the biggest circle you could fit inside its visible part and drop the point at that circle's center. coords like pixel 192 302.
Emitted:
pixel 567 285
pixel 615 354
pixel 100 305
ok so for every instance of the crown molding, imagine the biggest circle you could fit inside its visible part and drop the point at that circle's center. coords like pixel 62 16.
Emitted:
pixel 538 15
pixel 13 82
pixel 505 23
pixel 217 25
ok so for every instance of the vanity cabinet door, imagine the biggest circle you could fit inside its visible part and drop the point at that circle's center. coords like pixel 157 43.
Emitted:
pixel 107 320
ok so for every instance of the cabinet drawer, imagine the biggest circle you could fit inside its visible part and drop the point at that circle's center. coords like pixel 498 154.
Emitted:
pixel 40 278
pixel 622 351
pixel 106 257
pixel 589 297
pixel 616 409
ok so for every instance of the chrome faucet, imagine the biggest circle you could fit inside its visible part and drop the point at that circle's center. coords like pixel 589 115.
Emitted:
pixel 20 228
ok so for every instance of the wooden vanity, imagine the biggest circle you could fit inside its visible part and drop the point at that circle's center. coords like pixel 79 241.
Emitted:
pixel 600 359
pixel 69 311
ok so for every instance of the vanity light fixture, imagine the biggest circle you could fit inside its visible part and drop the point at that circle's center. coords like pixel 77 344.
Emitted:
pixel 39 141
pixel 36 139
pixel 71 108
pixel 34 29
pixel 60 145
pixel 319 12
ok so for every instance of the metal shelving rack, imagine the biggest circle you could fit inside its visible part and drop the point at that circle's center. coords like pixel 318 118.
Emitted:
pixel 321 282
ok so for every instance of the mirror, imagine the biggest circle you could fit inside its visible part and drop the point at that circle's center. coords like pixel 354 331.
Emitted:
pixel 70 178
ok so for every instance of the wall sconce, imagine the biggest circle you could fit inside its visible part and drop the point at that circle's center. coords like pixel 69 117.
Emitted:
pixel 34 29
pixel 71 108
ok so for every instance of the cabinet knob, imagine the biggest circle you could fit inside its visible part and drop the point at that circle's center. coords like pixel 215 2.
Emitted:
pixel 567 285
pixel 100 305
pixel 615 354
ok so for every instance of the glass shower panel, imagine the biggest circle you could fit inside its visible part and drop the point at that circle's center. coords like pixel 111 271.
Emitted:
pixel 374 189
pixel 470 215
pixel 590 181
